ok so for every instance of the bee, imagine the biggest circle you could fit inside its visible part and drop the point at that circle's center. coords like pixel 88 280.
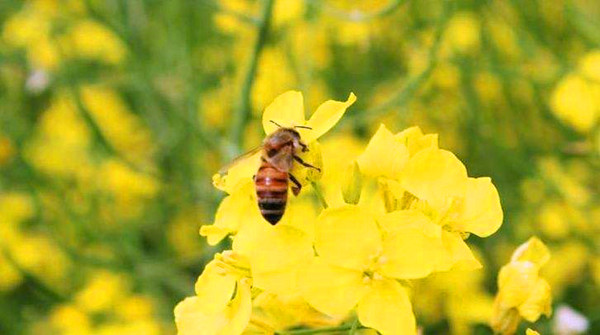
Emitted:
pixel 272 180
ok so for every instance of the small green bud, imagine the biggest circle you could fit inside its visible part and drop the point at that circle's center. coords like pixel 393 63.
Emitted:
pixel 352 186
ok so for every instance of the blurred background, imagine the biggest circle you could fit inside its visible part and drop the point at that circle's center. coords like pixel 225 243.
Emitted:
pixel 114 115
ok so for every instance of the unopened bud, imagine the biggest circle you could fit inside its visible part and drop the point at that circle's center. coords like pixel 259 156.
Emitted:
pixel 505 320
pixel 352 186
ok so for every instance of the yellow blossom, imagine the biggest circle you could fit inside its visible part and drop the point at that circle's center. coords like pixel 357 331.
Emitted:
pixel 522 293
pixel 102 292
pixel 91 40
pixel 61 141
pixel 287 110
pixel 416 174
pixel 123 129
pixel 70 320
pixel 463 32
pixel 356 267
pixel 275 253
pixel 575 102
pixel 10 276
pixel 213 310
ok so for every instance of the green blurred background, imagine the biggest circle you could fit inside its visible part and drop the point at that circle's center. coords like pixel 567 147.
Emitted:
pixel 114 115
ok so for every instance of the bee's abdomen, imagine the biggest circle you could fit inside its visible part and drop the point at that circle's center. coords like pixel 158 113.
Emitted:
pixel 271 192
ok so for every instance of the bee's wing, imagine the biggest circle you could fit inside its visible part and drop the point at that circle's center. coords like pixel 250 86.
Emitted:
pixel 240 158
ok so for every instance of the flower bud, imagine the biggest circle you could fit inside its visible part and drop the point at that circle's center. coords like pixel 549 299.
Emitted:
pixel 352 186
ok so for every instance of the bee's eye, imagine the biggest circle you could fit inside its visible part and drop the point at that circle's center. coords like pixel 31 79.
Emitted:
pixel 271 152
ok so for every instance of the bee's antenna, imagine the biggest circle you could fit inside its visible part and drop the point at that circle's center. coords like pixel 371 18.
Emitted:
pixel 275 123
pixel 303 127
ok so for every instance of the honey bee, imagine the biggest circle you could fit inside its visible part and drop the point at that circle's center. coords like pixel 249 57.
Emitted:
pixel 279 152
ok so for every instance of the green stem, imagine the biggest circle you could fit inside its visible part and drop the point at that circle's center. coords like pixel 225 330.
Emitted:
pixel 321 330
pixel 242 112
pixel 319 194
pixel 355 326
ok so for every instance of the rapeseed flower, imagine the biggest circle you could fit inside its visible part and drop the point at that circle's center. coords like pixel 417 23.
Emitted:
pixel 402 210
pixel 287 110
pixel 357 267
pixel 522 293
pixel 421 177
pixel 575 99
pixel 213 310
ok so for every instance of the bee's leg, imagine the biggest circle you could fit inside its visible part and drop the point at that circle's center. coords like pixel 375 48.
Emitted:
pixel 299 160
pixel 303 146
pixel 297 186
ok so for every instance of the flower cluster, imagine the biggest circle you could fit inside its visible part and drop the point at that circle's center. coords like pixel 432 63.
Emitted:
pixel 407 208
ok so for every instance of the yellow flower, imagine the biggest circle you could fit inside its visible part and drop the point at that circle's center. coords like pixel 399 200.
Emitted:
pixel 102 292
pixel 287 110
pixel 70 320
pixel 10 276
pixel 91 40
pixel 126 187
pixel 522 293
pixel 232 212
pixel 463 33
pixel 275 253
pixel 61 141
pixel 575 102
pixel 530 331
pixel 213 310
pixel 124 130
pixel 417 175
pixel 357 267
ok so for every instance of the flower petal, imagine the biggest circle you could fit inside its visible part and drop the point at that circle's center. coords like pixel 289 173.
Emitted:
pixel 192 320
pixel 213 289
pixel 409 219
pixel 275 254
pixel 330 289
pixel 457 255
pixel 287 110
pixel 534 250
pixel 415 140
pixel 538 303
pixel 238 174
pixel 436 176
pixel 233 211
pixel 386 308
pixel 412 249
pixel 239 311
pixel 325 117
pixel 482 213
pixel 516 281
pixel 385 156
pixel 347 237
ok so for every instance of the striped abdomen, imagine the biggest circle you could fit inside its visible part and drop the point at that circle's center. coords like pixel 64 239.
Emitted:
pixel 271 192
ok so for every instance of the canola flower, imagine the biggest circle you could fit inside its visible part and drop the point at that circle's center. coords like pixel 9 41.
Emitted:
pixel 522 293
pixel 575 99
pixel 408 208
